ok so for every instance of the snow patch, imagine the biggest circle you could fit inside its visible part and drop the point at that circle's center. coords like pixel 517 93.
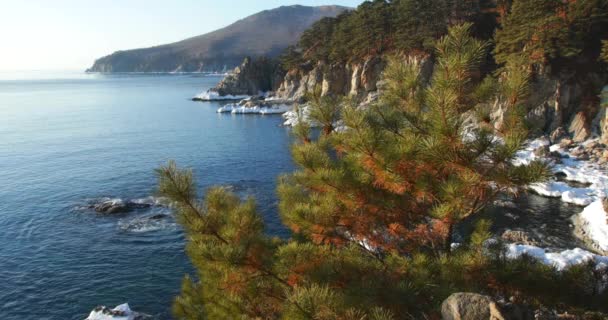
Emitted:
pixel 558 189
pixel 560 260
pixel 236 109
pixel 211 95
pixel 574 170
pixel 300 113
pixel 593 217
pixel 595 222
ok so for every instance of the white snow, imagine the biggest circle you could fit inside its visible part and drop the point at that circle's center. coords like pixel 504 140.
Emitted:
pixel 293 117
pixel 593 217
pixel 552 189
pixel 560 260
pixel 575 170
pixel 526 155
pixel 121 312
pixel 302 113
pixel 595 222
pixel 578 196
pixel 215 96
pixel 558 189
pixel 236 109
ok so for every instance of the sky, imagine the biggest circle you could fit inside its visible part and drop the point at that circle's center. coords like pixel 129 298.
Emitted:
pixel 71 34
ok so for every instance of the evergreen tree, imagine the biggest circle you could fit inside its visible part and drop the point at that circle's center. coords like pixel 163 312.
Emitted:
pixel 379 27
pixel 407 159
pixel 551 30
pixel 371 208
pixel 417 23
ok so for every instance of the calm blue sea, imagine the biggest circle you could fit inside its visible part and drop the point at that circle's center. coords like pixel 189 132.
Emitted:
pixel 67 139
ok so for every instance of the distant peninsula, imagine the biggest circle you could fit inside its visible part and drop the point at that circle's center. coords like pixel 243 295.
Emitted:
pixel 266 33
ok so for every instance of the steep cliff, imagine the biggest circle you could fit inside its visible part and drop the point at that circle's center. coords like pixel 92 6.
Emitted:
pixel 559 103
pixel 353 79
pixel 563 105
pixel 251 77
pixel 265 75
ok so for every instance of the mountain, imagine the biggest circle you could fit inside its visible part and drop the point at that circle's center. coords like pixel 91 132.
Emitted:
pixel 265 33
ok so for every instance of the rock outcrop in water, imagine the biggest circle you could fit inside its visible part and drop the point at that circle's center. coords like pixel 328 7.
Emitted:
pixel 252 77
pixel 110 206
pixel 121 312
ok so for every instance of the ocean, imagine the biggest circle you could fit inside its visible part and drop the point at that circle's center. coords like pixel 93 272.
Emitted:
pixel 70 140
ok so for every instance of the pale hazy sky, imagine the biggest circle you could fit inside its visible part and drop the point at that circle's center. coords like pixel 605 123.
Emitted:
pixel 71 34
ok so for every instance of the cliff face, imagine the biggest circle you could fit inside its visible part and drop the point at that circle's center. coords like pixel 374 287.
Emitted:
pixel 559 103
pixel 357 79
pixel 251 77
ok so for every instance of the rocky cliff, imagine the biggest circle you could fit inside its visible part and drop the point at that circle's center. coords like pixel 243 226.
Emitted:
pixel 561 104
pixel 252 77
pixel 356 79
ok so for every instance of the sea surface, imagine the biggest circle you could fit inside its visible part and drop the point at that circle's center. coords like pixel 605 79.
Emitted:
pixel 68 140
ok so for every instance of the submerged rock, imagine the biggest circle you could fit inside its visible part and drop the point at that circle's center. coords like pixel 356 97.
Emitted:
pixel 111 207
pixel 117 206
pixel 155 222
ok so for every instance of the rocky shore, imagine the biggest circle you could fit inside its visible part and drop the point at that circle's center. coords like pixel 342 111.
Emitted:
pixel 571 134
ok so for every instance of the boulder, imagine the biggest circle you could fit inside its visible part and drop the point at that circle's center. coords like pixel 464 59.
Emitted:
pixel 579 127
pixel 558 134
pixel 542 151
pixel 473 306
pixel 520 237
pixel 566 143
pixel 470 306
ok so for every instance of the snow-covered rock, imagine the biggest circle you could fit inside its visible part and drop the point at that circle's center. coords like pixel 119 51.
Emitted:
pixel 215 96
pixel 238 109
pixel 121 312
pixel 300 113
pixel 568 194
pixel 594 220
pixel 560 260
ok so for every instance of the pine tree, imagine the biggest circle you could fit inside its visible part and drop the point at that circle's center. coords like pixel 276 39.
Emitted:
pixel 407 159
pixel 546 30
pixel 370 208
pixel 418 23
